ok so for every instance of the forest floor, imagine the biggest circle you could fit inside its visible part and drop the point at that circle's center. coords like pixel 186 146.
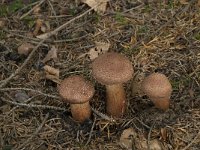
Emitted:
pixel 156 37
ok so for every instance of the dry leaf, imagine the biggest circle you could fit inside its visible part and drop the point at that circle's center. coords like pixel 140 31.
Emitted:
pixel 191 93
pixel 43 36
pixel 178 47
pixel 126 139
pixel 198 3
pixel 2 23
pixel 153 145
pixel 25 48
pixel 45 27
pixel 184 2
pixel 52 74
pixel 101 8
pixel 93 53
pixel 130 139
pixel 38 25
pixel 163 132
pixel 100 48
pixel 52 54
pixel 36 10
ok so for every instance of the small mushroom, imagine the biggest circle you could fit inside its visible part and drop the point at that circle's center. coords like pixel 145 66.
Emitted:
pixel 77 91
pixel 112 70
pixel 158 88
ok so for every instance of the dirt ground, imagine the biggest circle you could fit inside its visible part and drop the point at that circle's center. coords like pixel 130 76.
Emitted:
pixel 156 36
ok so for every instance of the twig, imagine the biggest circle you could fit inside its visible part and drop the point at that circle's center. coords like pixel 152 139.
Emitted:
pixel 32 90
pixel 30 11
pixel 103 115
pixel 35 133
pixel 4 82
pixel 92 128
pixel 33 105
pixel 26 101
pixel 149 136
pixel 190 144
pixel 148 127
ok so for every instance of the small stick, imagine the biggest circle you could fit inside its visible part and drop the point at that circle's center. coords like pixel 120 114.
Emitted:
pixel 35 133
pixel 32 90
pixel 148 127
pixel 149 136
pixel 30 11
pixel 103 115
pixel 92 128
pixel 33 105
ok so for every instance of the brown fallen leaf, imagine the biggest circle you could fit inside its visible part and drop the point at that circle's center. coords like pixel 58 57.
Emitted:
pixel 36 10
pixel 153 145
pixel 38 25
pixel 130 139
pixel 43 36
pixel 2 23
pixel 45 27
pixel 163 133
pixel 198 3
pixel 184 2
pixel 100 48
pixel 52 74
pixel 126 139
pixel 52 54
pixel 25 48
pixel 101 8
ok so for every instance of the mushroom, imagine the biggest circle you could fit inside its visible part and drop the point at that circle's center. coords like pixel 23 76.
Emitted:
pixel 158 88
pixel 77 91
pixel 112 70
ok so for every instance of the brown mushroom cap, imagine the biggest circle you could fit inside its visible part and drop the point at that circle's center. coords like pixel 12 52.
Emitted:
pixel 76 90
pixel 112 68
pixel 157 85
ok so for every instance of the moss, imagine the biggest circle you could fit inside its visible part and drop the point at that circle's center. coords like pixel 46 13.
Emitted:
pixel 147 9
pixel 197 36
pixel 28 20
pixel 10 8
pixel 143 29
pixel 185 81
pixel 96 18
pixel 171 4
pixel 120 19
pixel 2 35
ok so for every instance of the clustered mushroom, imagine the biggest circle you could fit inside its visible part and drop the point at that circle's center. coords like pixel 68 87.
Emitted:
pixel 158 88
pixel 77 91
pixel 112 70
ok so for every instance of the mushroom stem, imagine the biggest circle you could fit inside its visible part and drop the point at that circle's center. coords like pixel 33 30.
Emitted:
pixel 116 100
pixel 161 103
pixel 80 112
